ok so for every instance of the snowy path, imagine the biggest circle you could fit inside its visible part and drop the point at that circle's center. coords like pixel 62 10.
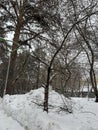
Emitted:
pixel 6 122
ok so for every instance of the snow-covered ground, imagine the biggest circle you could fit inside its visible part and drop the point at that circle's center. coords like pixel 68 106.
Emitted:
pixel 27 110
pixel 7 122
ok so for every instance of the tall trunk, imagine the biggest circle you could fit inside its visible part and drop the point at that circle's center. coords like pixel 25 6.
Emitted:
pixel 47 90
pixel 13 59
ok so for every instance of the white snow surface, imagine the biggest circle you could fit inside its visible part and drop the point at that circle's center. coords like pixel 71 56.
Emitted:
pixel 25 110
pixel 7 122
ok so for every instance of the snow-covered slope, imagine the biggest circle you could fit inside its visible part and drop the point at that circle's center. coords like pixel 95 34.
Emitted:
pixel 28 110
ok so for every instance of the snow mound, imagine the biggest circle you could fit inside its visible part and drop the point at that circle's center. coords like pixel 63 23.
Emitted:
pixel 27 109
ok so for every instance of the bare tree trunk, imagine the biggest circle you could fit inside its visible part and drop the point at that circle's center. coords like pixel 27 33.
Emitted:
pixel 47 91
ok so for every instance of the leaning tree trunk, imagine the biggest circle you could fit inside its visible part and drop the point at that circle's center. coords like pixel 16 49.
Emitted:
pixel 13 57
pixel 91 62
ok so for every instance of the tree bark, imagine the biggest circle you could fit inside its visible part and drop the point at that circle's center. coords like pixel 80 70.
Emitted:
pixel 47 90
pixel 15 45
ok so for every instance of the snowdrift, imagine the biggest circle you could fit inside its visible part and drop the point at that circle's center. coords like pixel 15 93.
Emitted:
pixel 27 109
